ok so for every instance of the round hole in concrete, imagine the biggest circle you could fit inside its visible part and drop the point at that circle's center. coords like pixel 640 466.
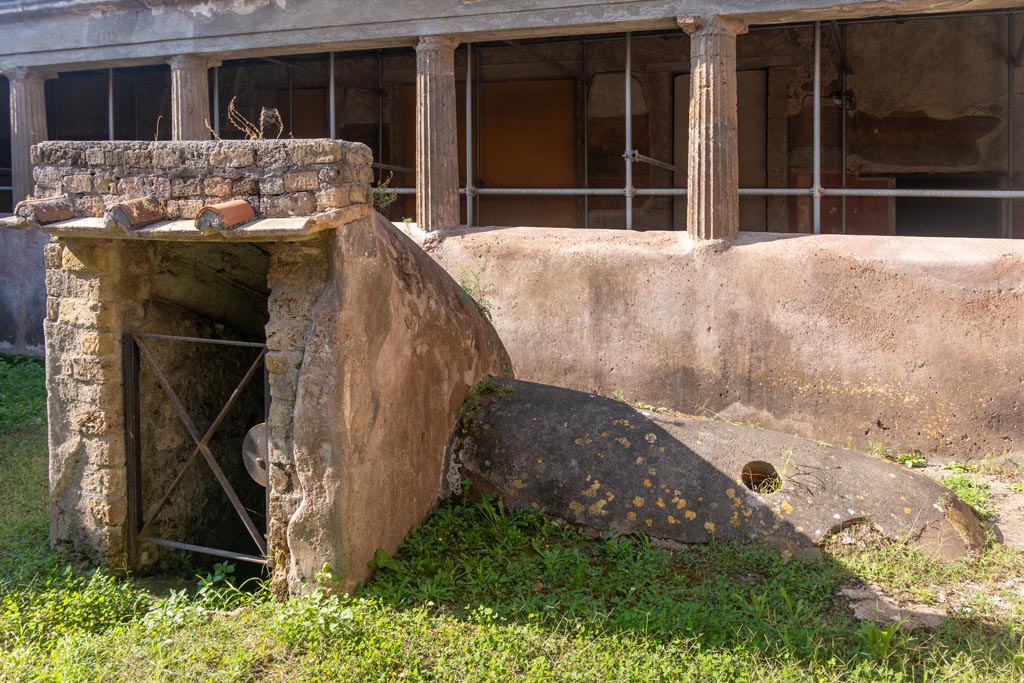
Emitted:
pixel 761 477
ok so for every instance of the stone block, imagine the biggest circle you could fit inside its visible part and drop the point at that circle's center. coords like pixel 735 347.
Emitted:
pixel 245 186
pixel 301 181
pixel 96 343
pixel 78 256
pixel 52 254
pixel 139 158
pixel 114 157
pixel 70 284
pixel 80 183
pixel 166 158
pixel 231 157
pixel 105 183
pixel 332 198
pixel 184 209
pixel 94 157
pixel 315 152
pixel 293 204
pixel 89 205
pixel 220 188
pixel 87 313
pixel 283 361
pixel 186 187
pixel 52 308
pixel 272 185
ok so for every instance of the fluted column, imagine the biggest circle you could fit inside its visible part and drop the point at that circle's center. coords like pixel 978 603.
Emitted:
pixel 437 149
pixel 28 124
pixel 190 97
pixel 713 200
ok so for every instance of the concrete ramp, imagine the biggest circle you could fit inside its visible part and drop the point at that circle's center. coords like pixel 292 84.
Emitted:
pixel 599 462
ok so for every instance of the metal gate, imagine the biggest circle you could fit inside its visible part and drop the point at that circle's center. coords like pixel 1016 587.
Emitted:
pixel 137 351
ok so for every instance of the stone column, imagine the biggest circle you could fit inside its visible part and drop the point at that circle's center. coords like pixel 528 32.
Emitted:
pixel 437 148
pixel 28 125
pixel 190 97
pixel 713 201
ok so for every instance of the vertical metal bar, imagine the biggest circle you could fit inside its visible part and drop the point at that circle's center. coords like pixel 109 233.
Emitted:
pixel 817 128
pixel 842 94
pixel 332 129
pixel 380 114
pixel 586 138
pixel 110 104
pixel 1010 152
pixel 629 132
pixel 216 100
pixel 476 116
pixel 133 449
pixel 469 134
pixel 291 99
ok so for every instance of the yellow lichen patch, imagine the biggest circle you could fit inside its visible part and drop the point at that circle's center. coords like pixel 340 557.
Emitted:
pixel 623 423
pixel 690 514
pixel 609 496
pixel 631 516
pixel 650 437
pixel 584 440
pixel 589 477
pixel 680 503
pixel 640 461
pixel 786 507
pixel 540 461
pixel 649 521
pixel 604 435
pixel 735 519
pixel 651 471
pixel 660 503
pixel 518 484
pixel 576 507
pixel 907 511
pixel 709 527
pixel 591 492
pixel 535 506
pixel 597 508
pixel 638 502
pixel 601 456
pixel 623 441
pixel 647 483
pixel 730 493
pixel 700 499
pixel 661 450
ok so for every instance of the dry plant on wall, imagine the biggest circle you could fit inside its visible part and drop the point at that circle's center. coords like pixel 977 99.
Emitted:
pixel 269 119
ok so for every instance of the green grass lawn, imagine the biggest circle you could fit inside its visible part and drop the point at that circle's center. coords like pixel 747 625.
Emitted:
pixel 478 593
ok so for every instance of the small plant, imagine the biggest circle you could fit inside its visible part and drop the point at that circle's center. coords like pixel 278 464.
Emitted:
pixel 407 221
pixel 1017 487
pixel 877 642
pixel 474 402
pixel 974 493
pixel 962 467
pixel 383 195
pixel 619 395
pixel 473 289
pixel 269 119
pixel 912 459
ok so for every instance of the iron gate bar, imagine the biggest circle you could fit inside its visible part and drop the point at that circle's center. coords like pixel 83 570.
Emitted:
pixel 200 340
pixel 133 453
pixel 207 455
pixel 208 551
pixel 206 439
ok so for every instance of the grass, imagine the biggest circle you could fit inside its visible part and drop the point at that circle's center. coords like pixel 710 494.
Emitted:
pixel 974 492
pixel 479 593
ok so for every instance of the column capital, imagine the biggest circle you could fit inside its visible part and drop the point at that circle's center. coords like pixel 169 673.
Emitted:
pixel 713 24
pixel 25 73
pixel 434 43
pixel 192 62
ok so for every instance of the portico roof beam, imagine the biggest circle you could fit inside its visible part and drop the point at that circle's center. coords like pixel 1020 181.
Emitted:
pixel 566 71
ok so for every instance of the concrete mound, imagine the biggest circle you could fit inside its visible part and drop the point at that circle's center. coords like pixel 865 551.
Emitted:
pixel 605 464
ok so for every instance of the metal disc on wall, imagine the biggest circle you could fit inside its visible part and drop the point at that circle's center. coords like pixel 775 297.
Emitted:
pixel 254 453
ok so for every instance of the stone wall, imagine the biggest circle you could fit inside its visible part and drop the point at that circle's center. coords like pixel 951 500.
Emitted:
pixel 279 178
pixel 913 342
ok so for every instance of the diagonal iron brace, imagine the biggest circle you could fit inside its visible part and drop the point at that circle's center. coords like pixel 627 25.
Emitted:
pixel 201 444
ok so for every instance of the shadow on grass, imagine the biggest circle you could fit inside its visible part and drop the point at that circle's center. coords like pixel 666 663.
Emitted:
pixel 476 561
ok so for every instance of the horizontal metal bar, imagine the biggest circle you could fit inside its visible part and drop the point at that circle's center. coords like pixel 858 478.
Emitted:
pixel 939 194
pixel 402 190
pixel 392 167
pixel 200 340
pixel 551 191
pixel 776 192
pixel 231 555
pixel 635 155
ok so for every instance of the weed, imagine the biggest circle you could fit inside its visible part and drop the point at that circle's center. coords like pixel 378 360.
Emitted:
pixel 383 195
pixel 877 641
pixel 912 459
pixel 1017 487
pixel 474 402
pixel 619 396
pixel 472 289
pixel 974 493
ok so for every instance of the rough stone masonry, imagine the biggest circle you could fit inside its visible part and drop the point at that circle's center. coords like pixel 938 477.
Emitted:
pixel 370 350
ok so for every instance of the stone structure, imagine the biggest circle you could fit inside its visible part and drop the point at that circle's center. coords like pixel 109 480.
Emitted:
pixel 713 180
pixel 691 480
pixel 906 341
pixel 369 352
pixel 190 97
pixel 437 163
